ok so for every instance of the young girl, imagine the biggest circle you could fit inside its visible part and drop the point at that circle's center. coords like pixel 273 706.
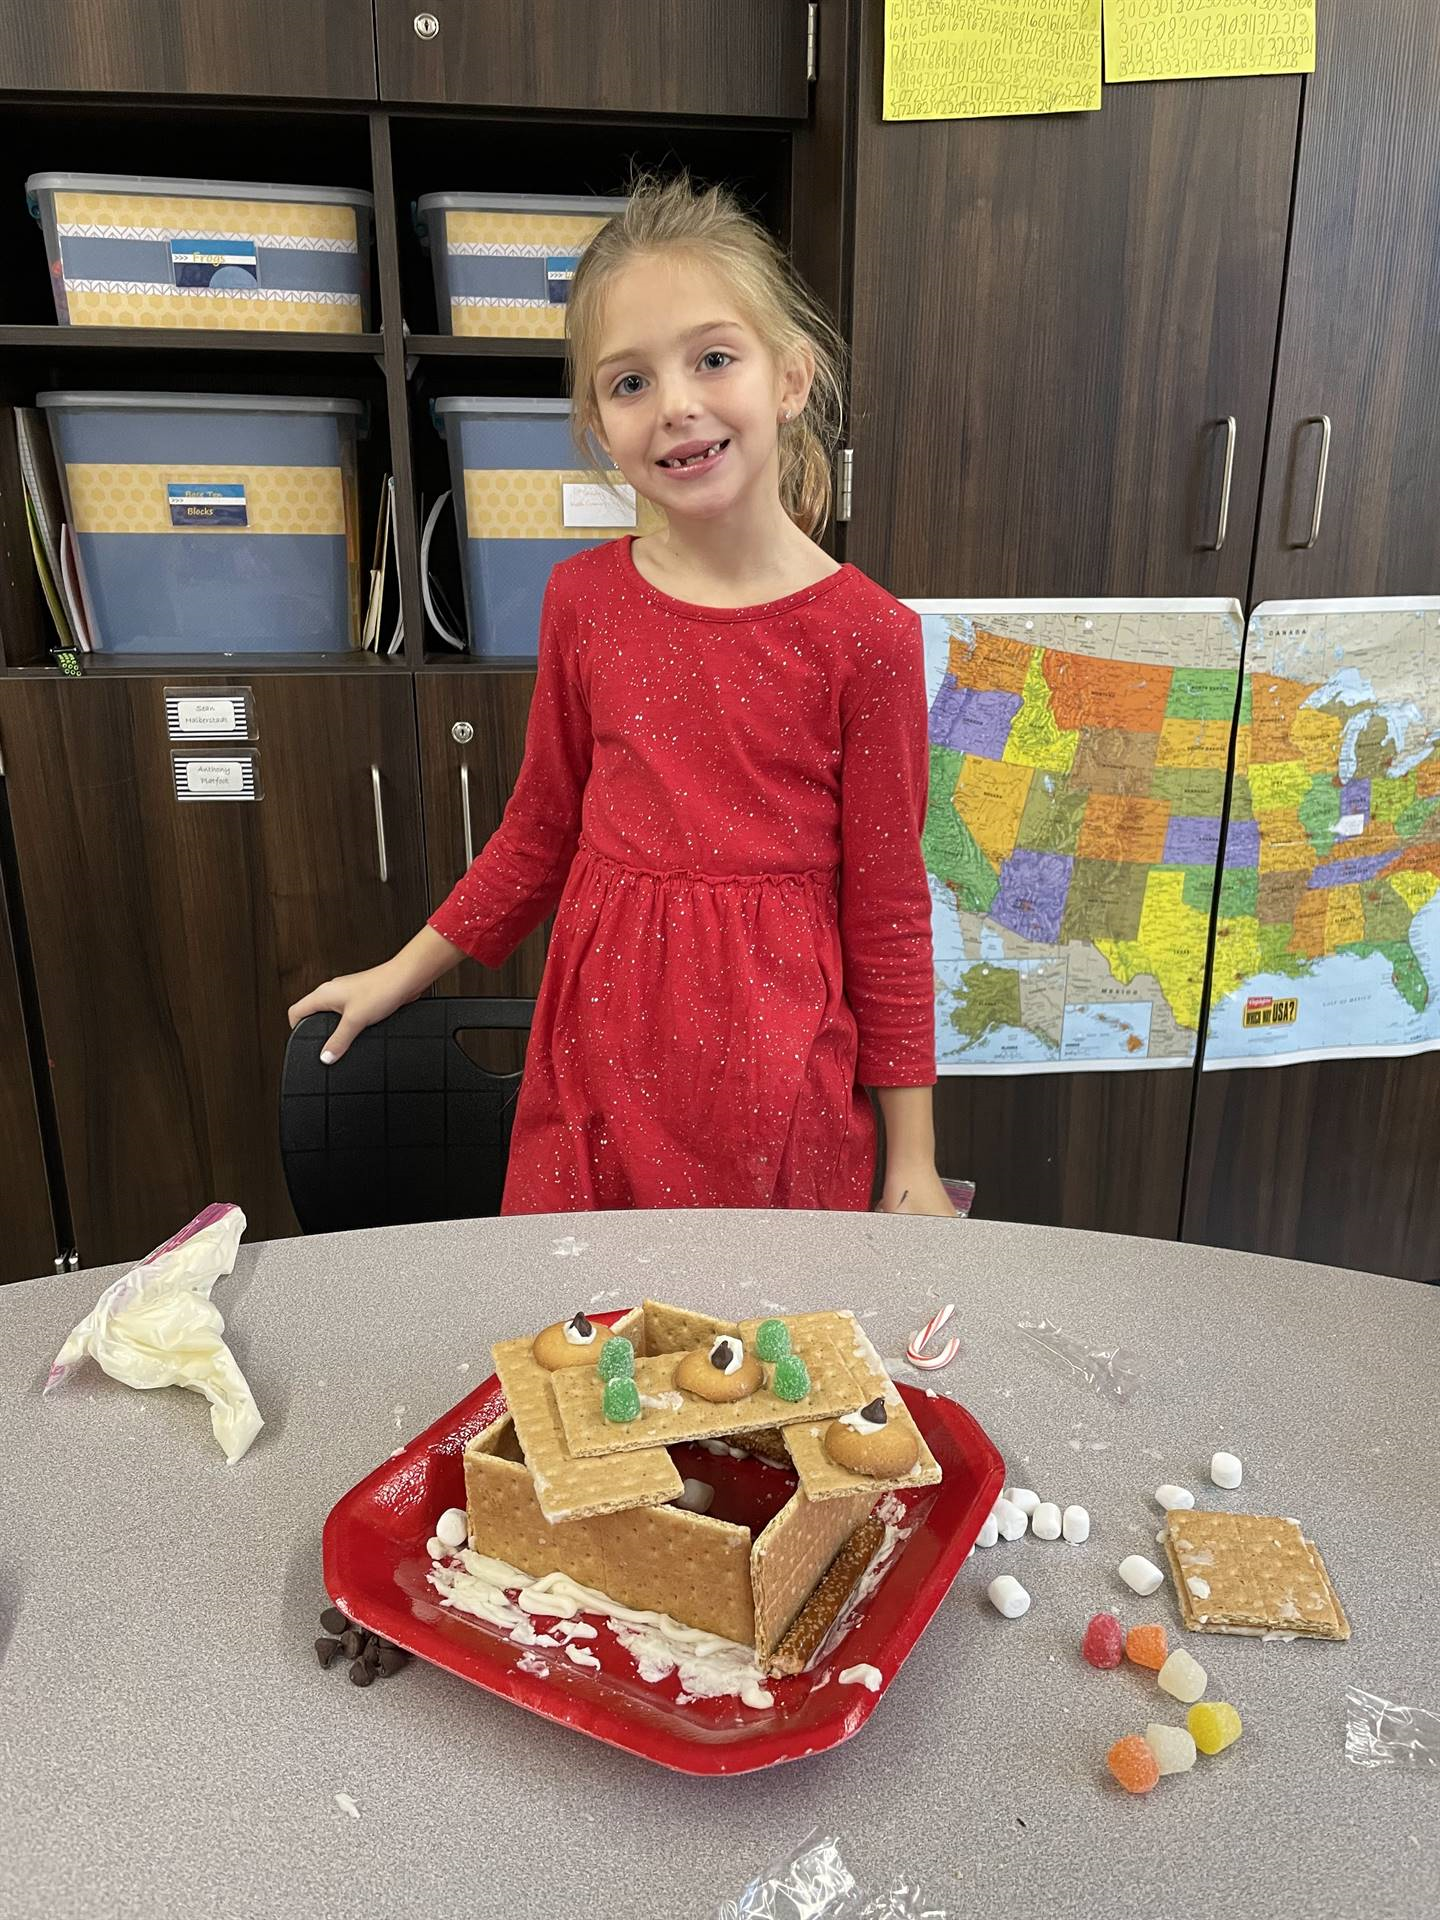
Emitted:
pixel 724 777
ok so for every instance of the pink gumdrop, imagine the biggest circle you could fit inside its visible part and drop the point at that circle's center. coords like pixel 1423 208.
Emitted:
pixel 1104 1642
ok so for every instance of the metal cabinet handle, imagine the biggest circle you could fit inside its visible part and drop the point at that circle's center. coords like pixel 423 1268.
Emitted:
pixel 380 826
pixel 1228 423
pixel 426 26
pixel 1321 420
pixel 465 813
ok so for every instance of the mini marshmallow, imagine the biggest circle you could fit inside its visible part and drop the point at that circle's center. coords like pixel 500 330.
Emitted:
pixel 452 1527
pixel 697 1496
pixel 1075 1525
pixel 1183 1676
pixel 1023 1497
pixel 1045 1521
pixel 1142 1576
pixel 1173 1747
pixel 1172 1497
pixel 436 1548
pixel 1226 1471
pixel 1007 1596
pixel 1009 1519
pixel 989 1533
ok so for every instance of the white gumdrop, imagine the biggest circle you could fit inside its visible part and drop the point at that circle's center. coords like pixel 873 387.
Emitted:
pixel 1045 1522
pixel 1023 1497
pixel 1075 1525
pixel 1142 1576
pixel 989 1533
pixel 1172 1497
pixel 1183 1676
pixel 1226 1471
pixel 1173 1747
pixel 1007 1596
pixel 452 1527
pixel 1009 1519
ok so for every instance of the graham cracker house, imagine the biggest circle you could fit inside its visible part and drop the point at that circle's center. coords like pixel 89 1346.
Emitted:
pixel 551 1486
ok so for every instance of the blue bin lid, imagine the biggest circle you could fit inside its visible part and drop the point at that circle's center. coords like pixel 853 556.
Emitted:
pixel 195 189
pixel 521 203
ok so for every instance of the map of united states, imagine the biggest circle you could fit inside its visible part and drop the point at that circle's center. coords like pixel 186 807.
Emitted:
pixel 1076 801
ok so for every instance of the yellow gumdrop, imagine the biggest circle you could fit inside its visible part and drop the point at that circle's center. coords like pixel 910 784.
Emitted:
pixel 1214 1725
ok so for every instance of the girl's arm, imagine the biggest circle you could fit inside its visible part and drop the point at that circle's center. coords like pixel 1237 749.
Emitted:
pixel 885 905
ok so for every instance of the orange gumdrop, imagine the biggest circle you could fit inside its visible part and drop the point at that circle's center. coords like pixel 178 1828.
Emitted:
pixel 1133 1764
pixel 1147 1647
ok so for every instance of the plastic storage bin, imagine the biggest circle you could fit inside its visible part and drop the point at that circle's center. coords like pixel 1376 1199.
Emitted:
pixel 126 251
pixel 504 262
pixel 212 523
pixel 522 504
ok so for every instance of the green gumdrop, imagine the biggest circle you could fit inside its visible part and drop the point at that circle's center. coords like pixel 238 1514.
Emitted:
pixel 772 1342
pixel 621 1401
pixel 617 1359
pixel 791 1379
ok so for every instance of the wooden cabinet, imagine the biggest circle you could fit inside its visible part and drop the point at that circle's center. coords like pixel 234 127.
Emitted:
pixel 472 740
pixel 737 59
pixel 28 1244
pixel 1357 401
pixel 1054 318
pixel 169 937
pixel 323 49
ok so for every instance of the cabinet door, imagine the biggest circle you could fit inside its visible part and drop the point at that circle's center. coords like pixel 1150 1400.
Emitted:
pixel 1355 385
pixel 740 59
pixel 27 1233
pixel 323 49
pixel 170 937
pixel 1053 318
pixel 472 740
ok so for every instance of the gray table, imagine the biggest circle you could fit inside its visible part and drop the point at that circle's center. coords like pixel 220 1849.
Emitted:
pixel 170 1745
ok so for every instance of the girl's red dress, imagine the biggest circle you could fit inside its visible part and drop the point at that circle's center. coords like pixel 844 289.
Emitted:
pixel 726 804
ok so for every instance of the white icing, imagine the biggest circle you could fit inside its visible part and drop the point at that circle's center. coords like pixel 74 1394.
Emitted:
pixel 735 1354
pixel 576 1338
pixel 663 1402
pixel 1200 1588
pixel 862 1675
pixel 707 1665
pixel 857 1422
pixel 582 1657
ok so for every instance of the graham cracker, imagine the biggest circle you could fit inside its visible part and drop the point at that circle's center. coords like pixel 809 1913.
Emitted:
pixel 588 1434
pixel 789 1556
pixel 834 1588
pixel 1262 1574
pixel 819 1475
pixel 677 1329
pixel 566 1488
pixel 655 1559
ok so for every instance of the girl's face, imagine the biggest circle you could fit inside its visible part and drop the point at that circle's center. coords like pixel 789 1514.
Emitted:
pixel 690 397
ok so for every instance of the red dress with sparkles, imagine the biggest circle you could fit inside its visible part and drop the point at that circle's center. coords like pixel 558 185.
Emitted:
pixel 726 804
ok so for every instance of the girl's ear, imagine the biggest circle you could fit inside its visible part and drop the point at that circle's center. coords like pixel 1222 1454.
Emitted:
pixel 796 381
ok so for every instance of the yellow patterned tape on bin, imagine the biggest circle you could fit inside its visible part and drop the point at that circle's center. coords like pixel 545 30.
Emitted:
pixel 530 505
pixel 132 499
pixel 199 307
pixel 140 216
pixel 555 232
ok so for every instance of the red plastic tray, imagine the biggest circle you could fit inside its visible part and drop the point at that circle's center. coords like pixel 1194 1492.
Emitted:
pixel 376 1569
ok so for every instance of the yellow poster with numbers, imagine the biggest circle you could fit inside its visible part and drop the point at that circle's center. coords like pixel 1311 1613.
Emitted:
pixel 1207 39
pixel 973 59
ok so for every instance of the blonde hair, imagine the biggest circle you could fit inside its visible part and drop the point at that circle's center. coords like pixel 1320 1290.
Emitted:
pixel 709 224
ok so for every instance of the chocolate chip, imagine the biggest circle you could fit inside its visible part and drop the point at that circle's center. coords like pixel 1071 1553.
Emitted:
pixel 392 1659
pixel 334 1621
pixel 352 1642
pixel 582 1326
pixel 721 1354
pixel 360 1674
pixel 876 1411
pixel 326 1650
pixel 370 1652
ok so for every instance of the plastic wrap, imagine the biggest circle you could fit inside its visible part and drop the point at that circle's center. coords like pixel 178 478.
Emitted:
pixel 1112 1371
pixel 816 1884
pixel 1381 1733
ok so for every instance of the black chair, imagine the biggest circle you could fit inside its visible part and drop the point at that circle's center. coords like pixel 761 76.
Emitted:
pixel 405 1127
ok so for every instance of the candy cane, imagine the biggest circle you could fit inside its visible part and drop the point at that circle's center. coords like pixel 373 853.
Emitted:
pixel 915 1353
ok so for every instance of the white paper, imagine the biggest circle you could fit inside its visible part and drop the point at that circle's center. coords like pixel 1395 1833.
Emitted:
pixel 590 503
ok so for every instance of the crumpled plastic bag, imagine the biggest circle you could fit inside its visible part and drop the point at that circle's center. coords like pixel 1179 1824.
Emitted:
pixel 158 1327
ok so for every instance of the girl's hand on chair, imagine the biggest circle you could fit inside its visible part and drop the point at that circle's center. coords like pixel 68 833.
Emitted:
pixel 915 1190
pixel 360 999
